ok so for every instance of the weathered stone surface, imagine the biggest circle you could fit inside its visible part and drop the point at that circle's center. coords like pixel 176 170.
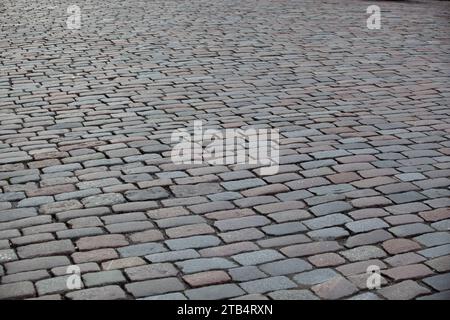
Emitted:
pixel 98 242
pixel 207 278
pixel 334 288
pixel 268 284
pixel 18 290
pixel 50 248
pixel 307 249
pixel 222 291
pixel 53 285
pixel 154 287
pixel 403 290
pixel 203 264
pixel 158 270
pixel 293 295
pixel 101 293
pixel 316 276
pixel 257 257
pixel 363 253
pixel 92 175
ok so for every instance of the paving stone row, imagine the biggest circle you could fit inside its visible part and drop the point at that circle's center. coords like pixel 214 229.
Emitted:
pixel 86 176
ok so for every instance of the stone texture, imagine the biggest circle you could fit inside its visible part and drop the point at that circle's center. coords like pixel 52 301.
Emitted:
pixel 334 288
pixel 101 293
pixel 154 287
pixel 88 175
pixel 157 270
pixel 257 257
pixel 268 284
pixel 206 278
pixel 403 290
pixel 217 292
pixel 315 276
pixel 18 290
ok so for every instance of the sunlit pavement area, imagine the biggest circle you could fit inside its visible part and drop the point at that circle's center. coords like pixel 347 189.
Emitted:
pixel 87 181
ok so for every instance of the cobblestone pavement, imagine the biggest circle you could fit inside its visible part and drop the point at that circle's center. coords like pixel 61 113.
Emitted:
pixel 87 179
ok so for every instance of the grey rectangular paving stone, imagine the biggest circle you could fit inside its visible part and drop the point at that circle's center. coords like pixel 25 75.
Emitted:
pixel 26 276
pixel 366 225
pixel 243 184
pixel 363 253
pixel 26 222
pixel 371 237
pixel 79 232
pixel 241 235
pixel 310 278
pixel 53 285
pixel 15 214
pixel 440 264
pixel 443 225
pixel 154 287
pixel 255 201
pixel 157 270
pixel 444 295
pixel 268 284
pixel 4 244
pixel 204 264
pixel 328 220
pixel 284 228
pixel 365 296
pixel 7 255
pixel 84 268
pixel 18 290
pixel 36 201
pixel 412 229
pixel 211 206
pixel 173 255
pixel 154 193
pixel 105 199
pixel 222 196
pixel 257 257
pixel 328 233
pixel 71 214
pixel 404 290
pixel 292 295
pixel 179 221
pixel 7 234
pixel 331 207
pixel 433 239
pixel 439 282
pixel 194 242
pixel 167 296
pixel 405 197
pixel 240 223
pixel 143 249
pixel 127 227
pixel 217 292
pixel 411 207
pixel 103 278
pixel 74 195
pixel 124 217
pixel 332 189
pixel 306 249
pixel 196 189
pixel 46 249
pixel 87 174
pixel 36 264
pixel 135 206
